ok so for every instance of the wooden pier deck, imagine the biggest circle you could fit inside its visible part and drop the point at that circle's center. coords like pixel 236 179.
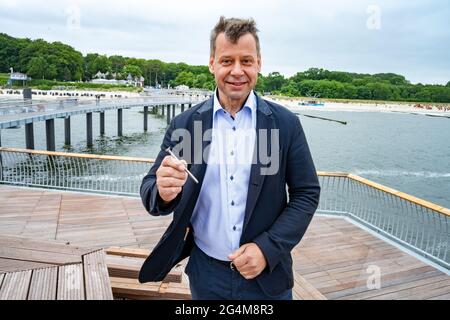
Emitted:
pixel 336 257
pixel 32 269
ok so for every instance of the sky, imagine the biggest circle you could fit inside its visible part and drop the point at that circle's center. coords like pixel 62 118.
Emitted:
pixel 408 37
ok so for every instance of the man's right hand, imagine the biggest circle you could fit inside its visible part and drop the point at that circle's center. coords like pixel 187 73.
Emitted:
pixel 170 178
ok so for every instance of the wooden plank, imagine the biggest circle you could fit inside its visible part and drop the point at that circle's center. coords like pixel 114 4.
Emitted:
pixel 170 290
pixel 303 290
pixel 421 292
pixel 70 282
pixel 129 268
pixel 361 286
pixel 441 297
pixel 420 283
pixel 2 275
pixel 132 289
pixel 426 292
pixel 128 252
pixel 43 284
pixel 96 274
pixel 11 265
pixel 39 256
pixel 15 285
pixel 124 288
pixel 58 246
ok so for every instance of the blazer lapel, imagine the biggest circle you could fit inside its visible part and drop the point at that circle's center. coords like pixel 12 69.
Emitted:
pixel 202 116
pixel 264 120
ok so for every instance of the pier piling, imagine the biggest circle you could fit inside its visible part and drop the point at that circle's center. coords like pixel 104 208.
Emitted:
pixel 89 129
pixel 119 122
pixel 67 140
pixel 145 118
pixel 168 114
pixel 50 134
pixel 102 123
pixel 29 135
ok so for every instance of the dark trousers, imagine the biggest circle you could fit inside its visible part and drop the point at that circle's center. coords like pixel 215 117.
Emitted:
pixel 210 279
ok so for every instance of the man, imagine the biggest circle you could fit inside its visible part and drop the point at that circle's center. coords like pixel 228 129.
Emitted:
pixel 236 224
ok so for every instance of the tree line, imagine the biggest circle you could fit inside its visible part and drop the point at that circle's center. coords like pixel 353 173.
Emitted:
pixel 316 82
pixel 60 62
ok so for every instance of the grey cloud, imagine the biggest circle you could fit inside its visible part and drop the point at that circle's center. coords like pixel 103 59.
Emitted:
pixel 414 39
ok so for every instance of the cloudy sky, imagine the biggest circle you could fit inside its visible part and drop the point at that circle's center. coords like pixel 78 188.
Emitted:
pixel 409 37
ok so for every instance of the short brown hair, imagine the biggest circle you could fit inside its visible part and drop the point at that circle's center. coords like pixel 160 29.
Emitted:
pixel 234 29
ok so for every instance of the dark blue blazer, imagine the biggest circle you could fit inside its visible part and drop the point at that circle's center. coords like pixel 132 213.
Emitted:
pixel 273 222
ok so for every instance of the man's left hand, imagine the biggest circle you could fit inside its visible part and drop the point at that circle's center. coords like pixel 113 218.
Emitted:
pixel 249 260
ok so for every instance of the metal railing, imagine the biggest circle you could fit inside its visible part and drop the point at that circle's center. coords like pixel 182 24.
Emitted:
pixel 69 171
pixel 418 225
pixel 20 107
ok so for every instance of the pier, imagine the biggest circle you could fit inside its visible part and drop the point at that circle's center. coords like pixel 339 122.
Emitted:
pixel 17 113
pixel 333 258
pixel 361 229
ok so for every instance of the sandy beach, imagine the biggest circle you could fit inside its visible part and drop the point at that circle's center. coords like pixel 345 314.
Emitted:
pixel 293 104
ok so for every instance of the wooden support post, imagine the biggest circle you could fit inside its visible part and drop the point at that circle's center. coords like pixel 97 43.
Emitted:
pixel 50 134
pixel 168 114
pixel 145 119
pixel 29 135
pixel 89 130
pixel 119 122
pixel 102 123
pixel 67 139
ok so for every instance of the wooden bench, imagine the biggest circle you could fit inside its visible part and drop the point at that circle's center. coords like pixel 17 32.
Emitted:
pixel 124 265
pixel 123 268
pixel 42 270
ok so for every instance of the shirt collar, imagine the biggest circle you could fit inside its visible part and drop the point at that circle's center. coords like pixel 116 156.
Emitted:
pixel 250 103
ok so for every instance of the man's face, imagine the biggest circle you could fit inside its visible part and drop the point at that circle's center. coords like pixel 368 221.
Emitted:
pixel 235 66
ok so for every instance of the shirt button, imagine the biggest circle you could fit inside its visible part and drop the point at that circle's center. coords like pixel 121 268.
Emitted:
pixel 234 228
pixel 232 203
pixel 232 153
pixel 234 128
pixel 231 178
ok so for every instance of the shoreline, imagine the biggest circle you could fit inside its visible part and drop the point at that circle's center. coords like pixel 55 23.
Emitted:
pixel 293 105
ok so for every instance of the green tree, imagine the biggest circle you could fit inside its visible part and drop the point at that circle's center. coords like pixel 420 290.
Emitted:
pixel 37 68
pixel 274 81
pixel 380 91
pixel 290 89
pixel 94 63
pixel 200 80
pixel 261 84
pixel 184 78
pixel 10 49
pixel 134 70
pixel 363 93
pixel 117 63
